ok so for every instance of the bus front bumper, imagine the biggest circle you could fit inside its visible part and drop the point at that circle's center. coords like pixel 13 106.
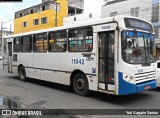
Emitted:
pixel 126 88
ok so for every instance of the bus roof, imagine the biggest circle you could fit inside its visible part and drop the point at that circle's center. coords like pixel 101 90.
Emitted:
pixel 78 24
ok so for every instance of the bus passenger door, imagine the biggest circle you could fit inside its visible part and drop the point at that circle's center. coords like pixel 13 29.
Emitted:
pixel 10 57
pixel 106 61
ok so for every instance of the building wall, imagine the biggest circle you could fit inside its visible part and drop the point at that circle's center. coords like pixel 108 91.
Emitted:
pixel 94 7
pixel 75 7
pixel 49 13
pixel 4 34
pixel 156 21
pixel 123 7
pixel 76 3
pixel 92 10
pixel 78 19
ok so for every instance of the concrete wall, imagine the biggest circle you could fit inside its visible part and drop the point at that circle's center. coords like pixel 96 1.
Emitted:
pixel 124 8
pixel 91 7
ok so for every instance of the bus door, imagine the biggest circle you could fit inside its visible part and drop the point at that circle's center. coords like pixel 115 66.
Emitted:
pixel 10 57
pixel 106 60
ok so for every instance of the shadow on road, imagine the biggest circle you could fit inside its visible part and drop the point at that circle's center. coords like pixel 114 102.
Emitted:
pixel 122 100
pixel 156 90
pixel 46 84
pixel 118 100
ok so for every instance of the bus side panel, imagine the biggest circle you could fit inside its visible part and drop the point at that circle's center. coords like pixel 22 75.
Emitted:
pixel 49 75
pixel 24 59
pixel 33 73
pixel 48 61
pixel 56 77
pixel 76 61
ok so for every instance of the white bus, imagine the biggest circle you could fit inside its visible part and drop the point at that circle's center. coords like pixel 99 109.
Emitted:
pixel 113 55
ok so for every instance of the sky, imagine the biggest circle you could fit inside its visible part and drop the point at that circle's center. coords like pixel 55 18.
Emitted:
pixel 155 1
pixel 7 10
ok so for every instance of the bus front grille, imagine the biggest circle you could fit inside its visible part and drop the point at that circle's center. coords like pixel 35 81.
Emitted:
pixel 143 77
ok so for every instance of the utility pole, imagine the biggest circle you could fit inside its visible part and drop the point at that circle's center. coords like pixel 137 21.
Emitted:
pixel 56 15
pixel 10 29
pixel 1 35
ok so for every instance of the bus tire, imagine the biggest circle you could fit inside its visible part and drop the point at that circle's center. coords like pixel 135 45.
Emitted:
pixel 22 73
pixel 80 84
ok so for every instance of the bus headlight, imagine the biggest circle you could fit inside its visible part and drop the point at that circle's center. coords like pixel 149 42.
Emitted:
pixel 129 78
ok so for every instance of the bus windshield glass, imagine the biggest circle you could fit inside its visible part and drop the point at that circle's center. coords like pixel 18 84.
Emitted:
pixel 138 47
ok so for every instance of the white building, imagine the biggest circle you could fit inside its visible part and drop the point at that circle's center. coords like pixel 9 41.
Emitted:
pixel 4 34
pixel 137 8
pixel 92 10
pixel 75 7
pixel 93 7
pixel 156 21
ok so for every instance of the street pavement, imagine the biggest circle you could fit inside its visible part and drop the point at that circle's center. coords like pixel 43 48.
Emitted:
pixel 35 94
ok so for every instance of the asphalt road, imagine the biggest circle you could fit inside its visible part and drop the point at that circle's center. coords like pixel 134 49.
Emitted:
pixel 35 94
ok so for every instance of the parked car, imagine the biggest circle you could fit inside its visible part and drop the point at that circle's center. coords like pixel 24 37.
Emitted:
pixel 158 73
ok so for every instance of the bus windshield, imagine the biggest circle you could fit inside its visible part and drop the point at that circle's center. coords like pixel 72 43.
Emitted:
pixel 138 47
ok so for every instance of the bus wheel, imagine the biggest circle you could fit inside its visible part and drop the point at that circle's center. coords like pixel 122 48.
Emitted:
pixel 22 73
pixel 80 84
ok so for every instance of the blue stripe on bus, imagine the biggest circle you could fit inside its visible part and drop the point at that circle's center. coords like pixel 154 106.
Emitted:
pixel 126 88
pixel 138 34
pixel 141 87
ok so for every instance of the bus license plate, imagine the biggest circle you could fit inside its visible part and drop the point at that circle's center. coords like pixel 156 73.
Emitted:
pixel 147 87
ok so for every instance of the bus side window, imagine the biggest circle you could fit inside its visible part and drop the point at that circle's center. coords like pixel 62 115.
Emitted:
pixel 50 44
pixel 57 41
pixel 16 45
pixel 26 44
pixel 81 40
pixel 40 42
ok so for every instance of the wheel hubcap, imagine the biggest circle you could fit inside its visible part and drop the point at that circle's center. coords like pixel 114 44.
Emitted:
pixel 80 84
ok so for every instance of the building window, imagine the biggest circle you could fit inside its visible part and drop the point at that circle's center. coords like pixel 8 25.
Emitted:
pixel 57 41
pixel 155 13
pixel 16 15
pixel 90 15
pixel 26 44
pixel 156 32
pixel 36 22
pixel 20 14
pixel 16 46
pixel 135 12
pixel 113 14
pixel 44 20
pixel 43 8
pixel 81 40
pixel 40 43
pixel 31 11
pixel 24 24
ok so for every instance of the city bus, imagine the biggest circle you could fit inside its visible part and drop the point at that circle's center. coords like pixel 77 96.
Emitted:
pixel 113 55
